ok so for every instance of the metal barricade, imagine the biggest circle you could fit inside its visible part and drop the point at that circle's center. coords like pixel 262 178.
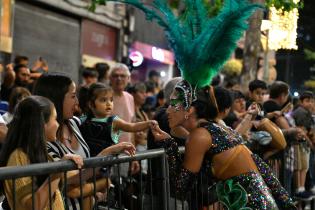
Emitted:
pixel 153 191
pixel 95 163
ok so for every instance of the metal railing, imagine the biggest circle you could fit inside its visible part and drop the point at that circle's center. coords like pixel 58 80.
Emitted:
pixel 154 191
pixel 33 170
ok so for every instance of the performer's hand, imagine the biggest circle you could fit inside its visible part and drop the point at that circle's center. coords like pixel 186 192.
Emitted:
pixel 158 134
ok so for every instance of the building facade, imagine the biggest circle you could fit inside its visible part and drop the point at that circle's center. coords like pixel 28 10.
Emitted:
pixel 62 32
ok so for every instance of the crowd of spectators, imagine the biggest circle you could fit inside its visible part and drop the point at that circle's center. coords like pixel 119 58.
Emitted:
pixel 108 114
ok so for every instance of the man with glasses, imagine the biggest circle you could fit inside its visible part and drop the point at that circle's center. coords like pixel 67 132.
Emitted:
pixel 124 105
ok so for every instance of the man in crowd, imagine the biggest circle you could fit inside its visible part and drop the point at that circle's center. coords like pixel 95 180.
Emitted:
pixel 124 105
pixel 304 120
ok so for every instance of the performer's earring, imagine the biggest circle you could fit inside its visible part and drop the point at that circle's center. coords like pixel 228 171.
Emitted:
pixel 186 117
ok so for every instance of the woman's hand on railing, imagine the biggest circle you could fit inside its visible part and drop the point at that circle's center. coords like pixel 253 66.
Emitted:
pixel 158 134
pixel 125 147
pixel 77 159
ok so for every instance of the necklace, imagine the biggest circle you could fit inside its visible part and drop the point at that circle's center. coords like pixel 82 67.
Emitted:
pixel 68 138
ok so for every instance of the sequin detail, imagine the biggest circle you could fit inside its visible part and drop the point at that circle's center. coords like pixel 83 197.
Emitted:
pixel 258 194
pixel 263 189
pixel 223 137
pixel 180 177
pixel 279 193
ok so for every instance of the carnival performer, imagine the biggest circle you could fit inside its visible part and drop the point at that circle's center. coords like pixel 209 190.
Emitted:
pixel 244 180
pixel 201 46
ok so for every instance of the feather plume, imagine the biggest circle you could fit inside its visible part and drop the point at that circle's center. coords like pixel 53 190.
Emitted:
pixel 201 44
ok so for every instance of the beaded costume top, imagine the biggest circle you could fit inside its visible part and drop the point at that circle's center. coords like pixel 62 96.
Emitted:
pixel 223 137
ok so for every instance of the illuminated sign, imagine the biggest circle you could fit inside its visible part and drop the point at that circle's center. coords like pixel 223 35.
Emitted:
pixel 157 54
pixel 136 57
pixel 154 53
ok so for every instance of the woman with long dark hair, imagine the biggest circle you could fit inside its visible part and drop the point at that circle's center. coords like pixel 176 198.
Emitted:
pixel 34 124
pixel 61 90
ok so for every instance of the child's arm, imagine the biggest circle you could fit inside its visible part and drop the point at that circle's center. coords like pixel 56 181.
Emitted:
pixel 119 124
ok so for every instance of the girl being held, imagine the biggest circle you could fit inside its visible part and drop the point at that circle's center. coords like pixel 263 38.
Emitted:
pixel 101 129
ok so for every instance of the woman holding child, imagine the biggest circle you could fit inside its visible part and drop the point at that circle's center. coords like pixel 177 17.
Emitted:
pixel 61 90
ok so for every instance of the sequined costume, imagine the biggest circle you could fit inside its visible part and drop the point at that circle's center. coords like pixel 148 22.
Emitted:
pixel 195 34
pixel 263 190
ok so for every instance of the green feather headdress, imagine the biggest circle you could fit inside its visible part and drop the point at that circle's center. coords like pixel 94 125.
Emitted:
pixel 201 44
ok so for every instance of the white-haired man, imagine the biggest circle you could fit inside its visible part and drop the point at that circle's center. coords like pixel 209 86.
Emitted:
pixel 124 105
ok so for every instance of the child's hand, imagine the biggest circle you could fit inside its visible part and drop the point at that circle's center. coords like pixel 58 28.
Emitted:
pixel 153 123
pixel 77 159
pixel 158 134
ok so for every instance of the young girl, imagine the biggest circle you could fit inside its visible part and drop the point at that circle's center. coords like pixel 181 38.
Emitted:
pixel 101 129
pixel 34 124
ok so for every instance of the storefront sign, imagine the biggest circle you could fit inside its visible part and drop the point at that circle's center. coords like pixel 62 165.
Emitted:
pixel 153 53
pixel 99 40
pixel 136 57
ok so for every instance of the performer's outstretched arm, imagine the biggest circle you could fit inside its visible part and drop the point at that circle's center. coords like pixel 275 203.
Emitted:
pixel 181 178
pixel 183 172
